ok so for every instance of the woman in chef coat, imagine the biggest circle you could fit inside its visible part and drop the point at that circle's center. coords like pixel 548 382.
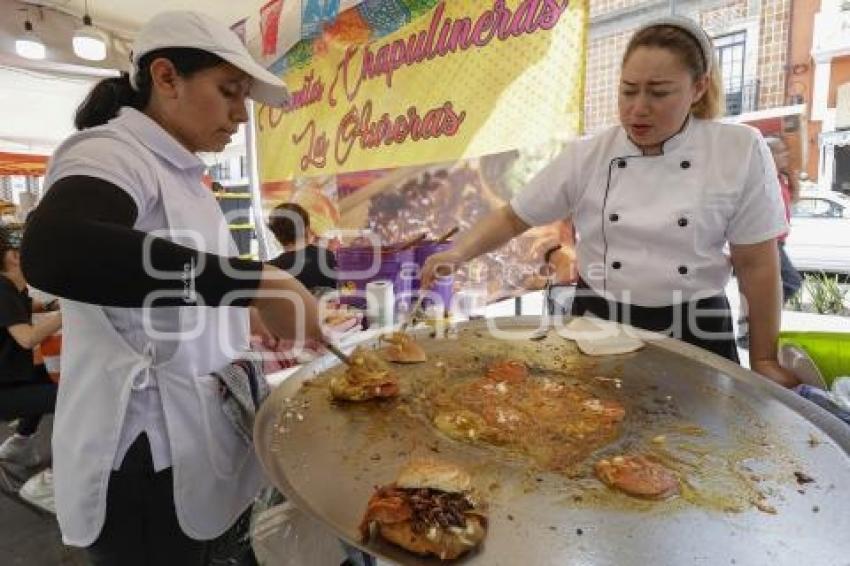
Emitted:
pixel 147 466
pixel 655 200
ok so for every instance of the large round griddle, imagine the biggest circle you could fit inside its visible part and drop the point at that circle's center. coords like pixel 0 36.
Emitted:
pixel 327 460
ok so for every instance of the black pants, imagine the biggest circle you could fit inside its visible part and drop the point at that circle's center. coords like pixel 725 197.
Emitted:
pixel 792 281
pixel 141 523
pixel 28 401
pixel 711 328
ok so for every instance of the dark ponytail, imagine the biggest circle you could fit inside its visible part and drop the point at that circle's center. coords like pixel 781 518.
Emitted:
pixel 110 95
pixel 105 100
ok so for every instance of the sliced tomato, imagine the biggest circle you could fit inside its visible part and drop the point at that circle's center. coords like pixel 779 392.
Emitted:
pixel 385 509
pixel 637 475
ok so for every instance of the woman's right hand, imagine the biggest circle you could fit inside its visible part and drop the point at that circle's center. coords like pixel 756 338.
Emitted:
pixel 496 229
pixel 287 309
pixel 441 264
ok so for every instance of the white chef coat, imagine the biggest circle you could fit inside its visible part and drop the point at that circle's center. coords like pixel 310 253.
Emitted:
pixel 129 371
pixel 651 230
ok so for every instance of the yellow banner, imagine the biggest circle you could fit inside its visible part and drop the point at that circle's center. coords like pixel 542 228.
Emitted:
pixel 466 79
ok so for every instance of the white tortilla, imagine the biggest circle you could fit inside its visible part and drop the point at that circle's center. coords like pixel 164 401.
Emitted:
pixel 596 337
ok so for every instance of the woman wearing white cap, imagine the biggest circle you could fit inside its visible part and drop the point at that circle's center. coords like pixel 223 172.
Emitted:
pixel 147 466
pixel 655 200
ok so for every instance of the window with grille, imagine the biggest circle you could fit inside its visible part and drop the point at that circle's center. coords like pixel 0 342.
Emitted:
pixel 731 54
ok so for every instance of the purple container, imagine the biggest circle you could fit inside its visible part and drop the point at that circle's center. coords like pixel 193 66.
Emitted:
pixel 443 286
pixel 359 265
pixel 428 248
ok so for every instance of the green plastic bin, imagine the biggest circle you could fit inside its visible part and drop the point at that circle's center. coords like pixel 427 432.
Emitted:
pixel 830 351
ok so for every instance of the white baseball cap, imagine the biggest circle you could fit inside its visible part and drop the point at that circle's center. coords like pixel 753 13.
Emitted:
pixel 198 31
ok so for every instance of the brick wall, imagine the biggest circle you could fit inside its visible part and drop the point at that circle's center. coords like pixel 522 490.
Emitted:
pixel 773 52
pixel 722 16
pixel 602 80
pixel 600 7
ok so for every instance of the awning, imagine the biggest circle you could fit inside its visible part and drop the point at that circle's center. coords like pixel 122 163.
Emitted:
pixel 22 164
pixel 769 120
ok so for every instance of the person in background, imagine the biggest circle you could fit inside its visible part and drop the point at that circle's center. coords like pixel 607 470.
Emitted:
pixel 314 266
pixel 790 187
pixel 148 469
pixel 26 390
pixel 655 200
pixel 560 268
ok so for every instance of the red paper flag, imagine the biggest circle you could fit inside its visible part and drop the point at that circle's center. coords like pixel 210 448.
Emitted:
pixel 269 22
pixel 239 29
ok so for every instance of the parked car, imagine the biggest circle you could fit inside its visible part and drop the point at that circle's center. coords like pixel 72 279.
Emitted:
pixel 820 232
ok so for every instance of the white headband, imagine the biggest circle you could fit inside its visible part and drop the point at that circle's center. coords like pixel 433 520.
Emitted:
pixel 692 28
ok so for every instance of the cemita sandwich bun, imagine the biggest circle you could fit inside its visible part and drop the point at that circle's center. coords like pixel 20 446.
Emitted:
pixel 434 474
pixel 429 510
pixel 368 377
pixel 403 349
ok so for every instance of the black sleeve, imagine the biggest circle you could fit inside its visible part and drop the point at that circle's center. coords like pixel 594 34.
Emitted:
pixel 315 274
pixel 80 244
pixel 331 259
pixel 312 273
pixel 330 279
pixel 12 308
pixel 283 261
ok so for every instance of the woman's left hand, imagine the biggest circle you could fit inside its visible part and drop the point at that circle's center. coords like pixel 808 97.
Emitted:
pixel 774 372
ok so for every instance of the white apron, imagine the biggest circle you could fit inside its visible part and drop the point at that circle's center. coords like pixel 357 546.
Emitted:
pixel 216 474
